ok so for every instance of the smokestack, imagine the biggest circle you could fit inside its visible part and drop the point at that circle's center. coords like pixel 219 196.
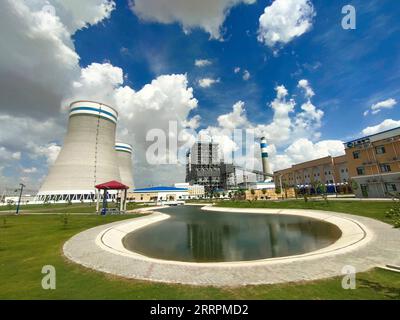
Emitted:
pixel 87 157
pixel 124 155
pixel 264 158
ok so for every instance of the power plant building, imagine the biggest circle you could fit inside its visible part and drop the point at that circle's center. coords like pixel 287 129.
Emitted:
pixel 124 155
pixel 88 156
pixel 204 167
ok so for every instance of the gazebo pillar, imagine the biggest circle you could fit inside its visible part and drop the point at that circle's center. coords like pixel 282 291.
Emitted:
pixel 97 200
pixel 121 204
pixel 125 198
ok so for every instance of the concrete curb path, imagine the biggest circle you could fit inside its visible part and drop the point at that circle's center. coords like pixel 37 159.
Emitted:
pixel 366 243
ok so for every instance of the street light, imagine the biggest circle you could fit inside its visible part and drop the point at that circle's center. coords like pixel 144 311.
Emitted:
pixel 20 195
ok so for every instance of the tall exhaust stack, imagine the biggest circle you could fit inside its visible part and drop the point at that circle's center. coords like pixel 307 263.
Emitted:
pixel 87 157
pixel 264 157
pixel 124 155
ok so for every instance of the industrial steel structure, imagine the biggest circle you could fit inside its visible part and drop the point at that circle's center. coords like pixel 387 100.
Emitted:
pixel 88 156
pixel 124 155
pixel 205 167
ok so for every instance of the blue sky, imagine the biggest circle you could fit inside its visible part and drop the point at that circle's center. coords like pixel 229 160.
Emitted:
pixel 140 57
pixel 349 70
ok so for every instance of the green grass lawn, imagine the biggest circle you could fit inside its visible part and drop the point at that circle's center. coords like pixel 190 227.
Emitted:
pixel 62 208
pixel 28 242
pixel 371 209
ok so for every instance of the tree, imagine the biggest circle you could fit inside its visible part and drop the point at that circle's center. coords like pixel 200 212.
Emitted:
pixel 322 189
pixel 354 185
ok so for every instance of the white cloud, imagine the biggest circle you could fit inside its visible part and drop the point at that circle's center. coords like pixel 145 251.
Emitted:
pixel 246 75
pixel 7 155
pixel 303 150
pixel 77 14
pixel 386 104
pixel 207 82
pixel 40 31
pixel 29 170
pixel 49 151
pixel 384 125
pixel 192 123
pixel 97 82
pixel 237 118
pixel 285 20
pixel 280 129
pixel 304 84
pixel 236 70
pixel 208 15
pixel 202 63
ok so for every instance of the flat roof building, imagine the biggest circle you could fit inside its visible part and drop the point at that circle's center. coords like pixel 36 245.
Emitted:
pixel 330 171
pixel 161 193
pixel 374 163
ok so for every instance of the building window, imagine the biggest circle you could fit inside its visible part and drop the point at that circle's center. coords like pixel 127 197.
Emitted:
pixel 360 171
pixel 356 154
pixel 385 168
pixel 391 187
pixel 380 150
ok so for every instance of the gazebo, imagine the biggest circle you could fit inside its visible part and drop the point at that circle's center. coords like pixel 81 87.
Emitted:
pixel 111 185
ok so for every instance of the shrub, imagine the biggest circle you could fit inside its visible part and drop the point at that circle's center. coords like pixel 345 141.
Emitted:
pixel 394 213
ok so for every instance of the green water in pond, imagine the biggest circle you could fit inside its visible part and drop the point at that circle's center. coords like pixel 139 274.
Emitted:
pixel 194 235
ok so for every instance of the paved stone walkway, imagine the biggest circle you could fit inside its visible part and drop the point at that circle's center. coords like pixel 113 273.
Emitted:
pixel 366 243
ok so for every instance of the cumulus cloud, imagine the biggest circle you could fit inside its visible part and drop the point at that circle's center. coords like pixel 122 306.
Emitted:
pixel 305 85
pixel 291 134
pixel 235 119
pixel 208 15
pixel 98 82
pixel 202 63
pixel 192 123
pixel 45 74
pixel 279 130
pixel 285 20
pixel 236 70
pixel 384 125
pixel 377 107
pixel 207 82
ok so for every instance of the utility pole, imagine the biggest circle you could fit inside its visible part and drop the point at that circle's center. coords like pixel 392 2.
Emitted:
pixel 20 196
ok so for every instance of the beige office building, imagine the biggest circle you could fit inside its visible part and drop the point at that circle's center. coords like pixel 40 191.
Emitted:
pixel 374 164
pixel 330 171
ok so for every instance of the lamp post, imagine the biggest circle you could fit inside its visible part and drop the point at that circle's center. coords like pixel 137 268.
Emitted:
pixel 20 195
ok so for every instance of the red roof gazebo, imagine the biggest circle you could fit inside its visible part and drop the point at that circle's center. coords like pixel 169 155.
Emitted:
pixel 112 185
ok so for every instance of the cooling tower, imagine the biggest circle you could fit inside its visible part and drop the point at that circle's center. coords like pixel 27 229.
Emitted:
pixel 124 155
pixel 264 157
pixel 87 158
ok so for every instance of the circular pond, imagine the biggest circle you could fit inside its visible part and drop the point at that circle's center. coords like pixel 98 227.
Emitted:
pixel 194 235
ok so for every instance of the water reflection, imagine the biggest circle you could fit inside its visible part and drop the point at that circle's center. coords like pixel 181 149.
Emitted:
pixel 195 235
